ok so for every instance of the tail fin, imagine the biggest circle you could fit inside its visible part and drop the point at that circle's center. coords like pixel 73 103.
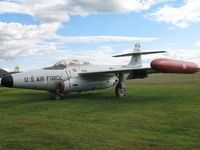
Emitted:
pixel 136 60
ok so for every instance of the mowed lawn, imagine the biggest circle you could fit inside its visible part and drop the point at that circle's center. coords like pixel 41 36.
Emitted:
pixel 161 112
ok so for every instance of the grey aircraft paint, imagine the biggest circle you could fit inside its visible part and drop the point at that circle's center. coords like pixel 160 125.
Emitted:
pixel 77 76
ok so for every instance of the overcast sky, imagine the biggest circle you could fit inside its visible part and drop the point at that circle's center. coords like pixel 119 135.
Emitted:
pixel 38 33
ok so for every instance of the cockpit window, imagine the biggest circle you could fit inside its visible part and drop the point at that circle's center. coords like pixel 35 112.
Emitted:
pixel 74 62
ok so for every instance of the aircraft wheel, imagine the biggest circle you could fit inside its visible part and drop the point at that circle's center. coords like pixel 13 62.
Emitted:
pixel 55 96
pixel 58 97
pixel 120 91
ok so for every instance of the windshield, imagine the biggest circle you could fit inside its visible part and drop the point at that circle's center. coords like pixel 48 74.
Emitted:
pixel 74 62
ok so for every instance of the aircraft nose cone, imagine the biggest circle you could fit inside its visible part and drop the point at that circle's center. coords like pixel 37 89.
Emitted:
pixel 7 81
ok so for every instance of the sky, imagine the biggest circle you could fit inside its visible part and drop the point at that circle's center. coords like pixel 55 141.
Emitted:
pixel 38 33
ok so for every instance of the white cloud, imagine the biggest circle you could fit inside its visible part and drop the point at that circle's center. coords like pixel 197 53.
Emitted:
pixel 99 56
pixel 13 7
pixel 185 54
pixel 198 43
pixel 83 7
pixel 94 56
pixel 88 39
pixel 43 10
pixel 59 10
pixel 181 17
pixel 86 7
pixel 18 40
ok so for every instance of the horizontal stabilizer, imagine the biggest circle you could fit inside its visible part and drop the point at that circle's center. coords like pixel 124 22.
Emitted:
pixel 139 53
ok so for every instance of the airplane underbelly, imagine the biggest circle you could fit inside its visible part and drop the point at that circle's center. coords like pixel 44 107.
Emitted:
pixel 77 85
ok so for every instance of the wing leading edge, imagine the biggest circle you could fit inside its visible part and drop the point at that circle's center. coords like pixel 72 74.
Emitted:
pixel 125 70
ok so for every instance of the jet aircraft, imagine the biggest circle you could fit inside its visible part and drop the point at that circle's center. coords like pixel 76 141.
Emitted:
pixel 77 76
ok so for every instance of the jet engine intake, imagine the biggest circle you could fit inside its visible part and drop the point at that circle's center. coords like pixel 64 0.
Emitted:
pixel 137 74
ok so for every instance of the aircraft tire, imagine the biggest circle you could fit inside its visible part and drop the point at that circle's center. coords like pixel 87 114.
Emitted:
pixel 58 97
pixel 120 91
pixel 55 96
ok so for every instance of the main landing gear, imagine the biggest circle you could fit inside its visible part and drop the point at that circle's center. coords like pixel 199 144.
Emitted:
pixel 120 89
pixel 56 96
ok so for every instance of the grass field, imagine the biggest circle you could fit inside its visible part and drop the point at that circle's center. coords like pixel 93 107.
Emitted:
pixel 161 112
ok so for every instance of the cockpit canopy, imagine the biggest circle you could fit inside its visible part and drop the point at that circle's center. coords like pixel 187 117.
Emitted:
pixel 74 62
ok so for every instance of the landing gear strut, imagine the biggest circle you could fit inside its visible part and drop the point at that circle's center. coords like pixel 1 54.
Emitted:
pixel 120 89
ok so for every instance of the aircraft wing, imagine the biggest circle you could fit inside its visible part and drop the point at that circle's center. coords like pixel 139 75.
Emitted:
pixel 122 70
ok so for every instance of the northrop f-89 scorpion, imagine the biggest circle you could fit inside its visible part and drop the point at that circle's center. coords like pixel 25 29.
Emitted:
pixel 76 76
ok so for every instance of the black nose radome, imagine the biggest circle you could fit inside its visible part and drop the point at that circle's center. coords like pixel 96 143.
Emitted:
pixel 7 81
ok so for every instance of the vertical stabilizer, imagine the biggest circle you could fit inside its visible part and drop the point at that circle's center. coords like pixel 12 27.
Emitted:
pixel 136 60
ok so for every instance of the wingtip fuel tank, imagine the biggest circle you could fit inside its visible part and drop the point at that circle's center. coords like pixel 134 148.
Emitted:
pixel 166 65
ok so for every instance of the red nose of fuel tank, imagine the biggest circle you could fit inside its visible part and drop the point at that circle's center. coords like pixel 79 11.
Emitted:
pixel 166 65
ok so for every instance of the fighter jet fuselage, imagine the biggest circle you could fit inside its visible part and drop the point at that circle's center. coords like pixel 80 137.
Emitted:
pixel 65 79
pixel 76 76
